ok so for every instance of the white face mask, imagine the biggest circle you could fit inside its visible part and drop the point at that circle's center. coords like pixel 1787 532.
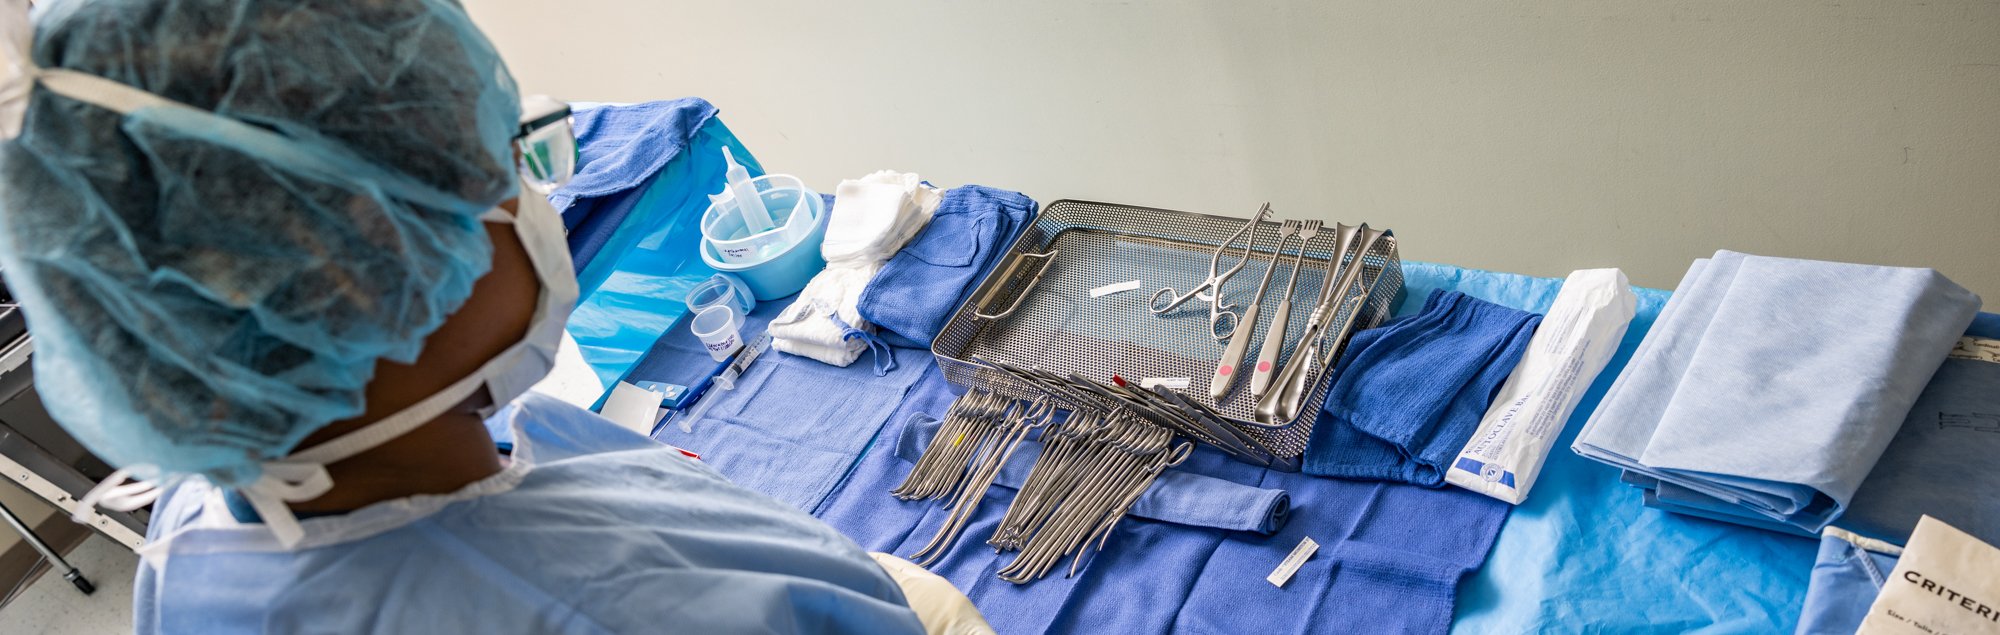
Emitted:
pixel 302 475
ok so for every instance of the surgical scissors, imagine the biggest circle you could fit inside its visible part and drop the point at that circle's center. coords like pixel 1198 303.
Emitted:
pixel 1211 288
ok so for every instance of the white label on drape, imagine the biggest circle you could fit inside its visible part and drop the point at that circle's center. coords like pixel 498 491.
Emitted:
pixel 1292 562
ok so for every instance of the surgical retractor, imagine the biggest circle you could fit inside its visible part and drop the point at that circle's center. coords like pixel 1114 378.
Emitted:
pixel 1211 288
pixel 1246 325
pixel 1274 338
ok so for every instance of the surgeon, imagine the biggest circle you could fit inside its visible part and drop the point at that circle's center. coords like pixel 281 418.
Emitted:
pixel 280 267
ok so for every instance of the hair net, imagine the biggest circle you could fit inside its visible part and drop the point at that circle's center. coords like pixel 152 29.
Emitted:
pixel 203 299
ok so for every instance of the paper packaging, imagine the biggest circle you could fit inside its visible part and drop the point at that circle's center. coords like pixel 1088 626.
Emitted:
pixel 633 407
pixel 1946 583
pixel 1575 341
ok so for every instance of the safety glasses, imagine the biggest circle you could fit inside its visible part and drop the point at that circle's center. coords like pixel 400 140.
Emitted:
pixel 546 145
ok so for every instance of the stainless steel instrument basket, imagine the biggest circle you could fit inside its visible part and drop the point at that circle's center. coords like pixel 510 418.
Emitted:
pixel 1036 308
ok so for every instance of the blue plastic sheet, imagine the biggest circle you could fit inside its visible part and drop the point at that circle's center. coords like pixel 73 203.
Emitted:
pixel 634 217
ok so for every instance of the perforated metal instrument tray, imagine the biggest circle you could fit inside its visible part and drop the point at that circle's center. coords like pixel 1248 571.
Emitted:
pixel 1035 308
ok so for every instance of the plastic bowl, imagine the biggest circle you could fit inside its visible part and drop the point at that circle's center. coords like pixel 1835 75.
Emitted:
pixel 784 197
pixel 785 272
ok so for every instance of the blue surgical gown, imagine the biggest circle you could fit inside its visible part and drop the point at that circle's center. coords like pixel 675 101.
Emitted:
pixel 592 529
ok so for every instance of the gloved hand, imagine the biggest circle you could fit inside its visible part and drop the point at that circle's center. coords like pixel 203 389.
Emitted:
pixel 942 609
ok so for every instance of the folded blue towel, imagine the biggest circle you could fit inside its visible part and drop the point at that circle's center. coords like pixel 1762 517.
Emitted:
pixel 1406 396
pixel 1774 384
pixel 1389 561
pixel 1176 497
pixel 620 147
pixel 620 150
pixel 915 293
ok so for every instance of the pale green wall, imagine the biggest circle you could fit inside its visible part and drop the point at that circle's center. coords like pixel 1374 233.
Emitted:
pixel 1535 137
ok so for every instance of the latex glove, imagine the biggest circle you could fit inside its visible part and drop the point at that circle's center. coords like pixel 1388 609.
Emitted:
pixel 942 609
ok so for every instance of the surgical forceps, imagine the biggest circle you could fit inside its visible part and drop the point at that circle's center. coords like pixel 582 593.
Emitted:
pixel 1211 288
pixel 943 464
pixel 1020 419
pixel 1162 407
pixel 1337 308
pixel 1110 470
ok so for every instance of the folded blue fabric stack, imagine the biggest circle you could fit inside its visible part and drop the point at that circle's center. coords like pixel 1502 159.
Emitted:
pixel 1940 464
pixel 1941 460
pixel 915 293
pixel 1769 387
pixel 1407 395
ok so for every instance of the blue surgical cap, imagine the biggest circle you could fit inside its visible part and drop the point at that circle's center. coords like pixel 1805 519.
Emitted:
pixel 202 299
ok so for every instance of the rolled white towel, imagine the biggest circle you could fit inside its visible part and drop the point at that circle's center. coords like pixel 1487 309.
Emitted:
pixel 820 324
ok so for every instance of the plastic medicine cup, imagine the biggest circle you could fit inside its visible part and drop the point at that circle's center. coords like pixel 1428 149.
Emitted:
pixel 722 289
pixel 717 327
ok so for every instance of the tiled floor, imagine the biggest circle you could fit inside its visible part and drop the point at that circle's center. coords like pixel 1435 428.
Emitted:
pixel 51 606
